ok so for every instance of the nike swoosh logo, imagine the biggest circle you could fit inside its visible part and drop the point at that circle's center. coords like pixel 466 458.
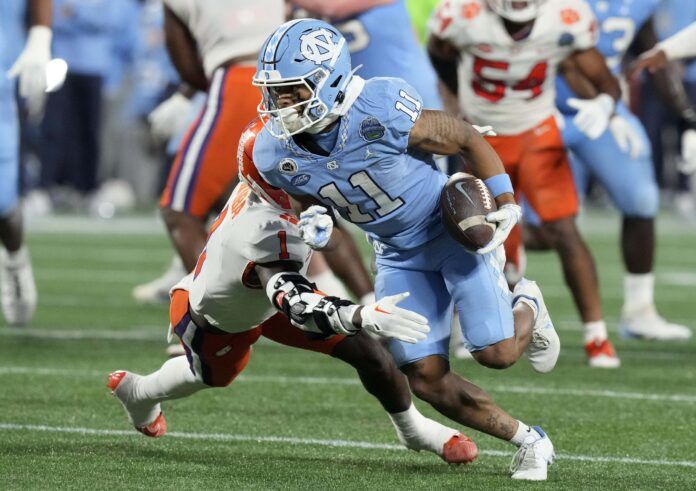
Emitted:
pixel 383 311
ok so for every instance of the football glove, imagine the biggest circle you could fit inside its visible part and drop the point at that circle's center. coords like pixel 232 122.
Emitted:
pixel 384 319
pixel 30 67
pixel 593 114
pixel 315 227
pixel 167 118
pixel 505 218
pixel 688 149
pixel 626 136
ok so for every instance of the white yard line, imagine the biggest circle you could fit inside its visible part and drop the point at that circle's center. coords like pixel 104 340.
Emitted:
pixel 285 380
pixel 227 437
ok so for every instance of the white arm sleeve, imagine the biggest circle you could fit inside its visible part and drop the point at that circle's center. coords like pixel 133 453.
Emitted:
pixel 681 45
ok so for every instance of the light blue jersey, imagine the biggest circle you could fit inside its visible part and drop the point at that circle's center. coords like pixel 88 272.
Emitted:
pixel 12 14
pixel 374 181
pixel 369 177
pixel 383 41
pixel 630 182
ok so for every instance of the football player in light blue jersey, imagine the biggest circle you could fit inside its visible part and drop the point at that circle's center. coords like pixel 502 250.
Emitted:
pixel 620 160
pixel 17 287
pixel 364 148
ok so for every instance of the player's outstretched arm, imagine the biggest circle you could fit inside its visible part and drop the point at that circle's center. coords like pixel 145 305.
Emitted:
pixel 310 310
pixel 681 45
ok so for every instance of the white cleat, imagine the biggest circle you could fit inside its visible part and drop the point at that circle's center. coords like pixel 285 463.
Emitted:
pixel 545 346
pixel 648 324
pixel 18 289
pixel 533 458
pixel 157 290
pixel 146 417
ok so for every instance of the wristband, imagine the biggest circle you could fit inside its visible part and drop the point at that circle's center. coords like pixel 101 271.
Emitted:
pixel 499 184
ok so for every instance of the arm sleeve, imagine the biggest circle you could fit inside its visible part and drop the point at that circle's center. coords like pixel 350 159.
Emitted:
pixel 681 45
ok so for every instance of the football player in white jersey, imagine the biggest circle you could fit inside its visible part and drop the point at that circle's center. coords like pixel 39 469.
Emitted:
pixel 218 313
pixel 213 44
pixel 501 57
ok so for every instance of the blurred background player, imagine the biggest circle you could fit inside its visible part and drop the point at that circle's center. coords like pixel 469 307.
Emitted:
pixel 213 45
pixel 619 159
pixel 28 66
pixel 501 59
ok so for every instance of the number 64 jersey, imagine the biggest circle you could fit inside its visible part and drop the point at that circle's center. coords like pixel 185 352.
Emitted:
pixel 500 77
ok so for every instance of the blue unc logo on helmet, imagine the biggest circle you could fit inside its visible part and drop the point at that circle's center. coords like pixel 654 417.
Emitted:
pixel 304 56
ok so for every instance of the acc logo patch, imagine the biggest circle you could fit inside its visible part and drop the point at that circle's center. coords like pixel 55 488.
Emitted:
pixel 300 179
pixel 287 166
pixel 371 129
pixel 566 39
pixel 318 46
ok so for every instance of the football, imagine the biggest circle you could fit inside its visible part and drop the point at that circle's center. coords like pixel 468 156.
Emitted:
pixel 464 203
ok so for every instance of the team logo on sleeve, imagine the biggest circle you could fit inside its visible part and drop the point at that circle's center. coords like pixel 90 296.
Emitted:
pixel 318 47
pixel 300 180
pixel 371 129
pixel 287 166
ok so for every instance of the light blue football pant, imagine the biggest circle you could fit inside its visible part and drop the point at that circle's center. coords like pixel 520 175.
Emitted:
pixel 438 275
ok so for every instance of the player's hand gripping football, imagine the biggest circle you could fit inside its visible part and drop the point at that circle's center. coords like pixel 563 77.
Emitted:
pixel 593 114
pixel 30 67
pixel 505 218
pixel 315 227
pixel 386 320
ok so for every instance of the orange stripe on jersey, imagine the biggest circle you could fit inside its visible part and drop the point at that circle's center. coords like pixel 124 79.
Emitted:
pixel 218 221
pixel 199 263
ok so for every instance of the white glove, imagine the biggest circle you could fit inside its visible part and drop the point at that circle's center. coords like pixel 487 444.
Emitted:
pixel 688 150
pixel 315 227
pixel 626 136
pixel 593 114
pixel 485 130
pixel 30 67
pixel 167 119
pixel 505 218
pixel 386 320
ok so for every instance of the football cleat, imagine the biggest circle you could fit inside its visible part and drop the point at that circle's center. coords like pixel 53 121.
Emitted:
pixel 460 449
pixel 147 418
pixel 601 354
pixel 17 287
pixel 650 325
pixel 533 458
pixel 157 290
pixel 545 346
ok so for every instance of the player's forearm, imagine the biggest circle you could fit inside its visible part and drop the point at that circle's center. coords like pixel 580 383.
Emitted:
pixel 338 9
pixel 444 61
pixel 670 87
pixel 592 65
pixel 681 45
pixel 183 52
pixel 40 12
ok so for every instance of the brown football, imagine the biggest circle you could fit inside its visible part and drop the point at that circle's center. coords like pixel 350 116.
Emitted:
pixel 464 202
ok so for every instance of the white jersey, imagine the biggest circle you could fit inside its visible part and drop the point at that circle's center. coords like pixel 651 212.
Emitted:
pixel 226 29
pixel 224 288
pixel 506 83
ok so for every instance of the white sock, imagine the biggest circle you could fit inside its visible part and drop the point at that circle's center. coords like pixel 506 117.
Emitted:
pixel 329 284
pixel 523 433
pixel 418 433
pixel 595 331
pixel 17 257
pixel 173 380
pixel 638 292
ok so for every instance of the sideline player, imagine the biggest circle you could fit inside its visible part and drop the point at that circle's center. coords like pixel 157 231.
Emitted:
pixel 365 148
pixel 254 245
pixel 501 58
pixel 213 45
pixel 620 159
pixel 17 287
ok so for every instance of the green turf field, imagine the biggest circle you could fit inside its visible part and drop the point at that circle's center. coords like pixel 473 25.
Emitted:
pixel 299 420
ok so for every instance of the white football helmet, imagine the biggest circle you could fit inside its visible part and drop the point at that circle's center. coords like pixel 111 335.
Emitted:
pixel 516 10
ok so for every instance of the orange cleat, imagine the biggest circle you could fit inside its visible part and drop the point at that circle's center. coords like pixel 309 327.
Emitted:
pixel 460 449
pixel 601 354
pixel 120 382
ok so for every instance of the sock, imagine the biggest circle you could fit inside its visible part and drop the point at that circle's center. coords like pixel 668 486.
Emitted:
pixel 595 331
pixel 523 433
pixel 173 380
pixel 418 433
pixel 638 292
pixel 17 257
pixel 329 284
